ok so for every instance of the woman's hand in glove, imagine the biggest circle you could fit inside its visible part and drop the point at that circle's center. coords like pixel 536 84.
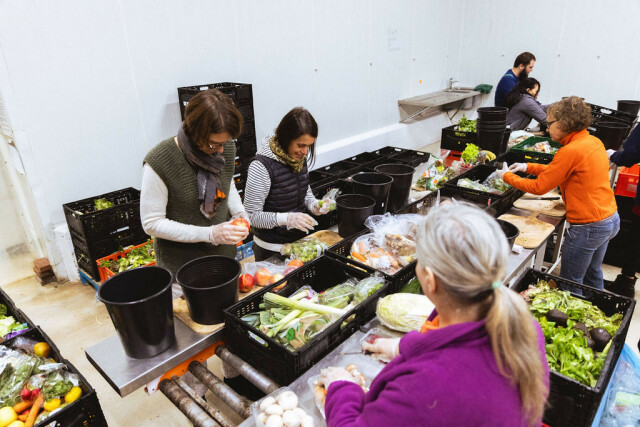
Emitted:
pixel 518 167
pixel 227 234
pixel 333 374
pixel 501 172
pixel 389 347
pixel 610 152
pixel 300 221
pixel 316 209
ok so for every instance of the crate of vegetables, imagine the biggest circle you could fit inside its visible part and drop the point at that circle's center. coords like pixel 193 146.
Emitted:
pixel 422 206
pixel 40 387
pixel 584 330
pixel 321 304
pixel 535 149
pixel 456 137
pixel 141 255
pixel 13 321
pixel 481 181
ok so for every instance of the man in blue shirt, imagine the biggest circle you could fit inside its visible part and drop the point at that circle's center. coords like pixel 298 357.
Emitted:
pixel 522 66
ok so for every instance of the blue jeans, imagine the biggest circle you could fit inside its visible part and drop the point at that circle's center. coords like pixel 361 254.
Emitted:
pixel 584 248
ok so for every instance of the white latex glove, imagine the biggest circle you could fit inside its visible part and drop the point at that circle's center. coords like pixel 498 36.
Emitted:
pixel 227 234
pixel 502 171
pixel 390 347
pixel 610 152
pixel 300 221
pixel 333 374
pixel 242 214
pixel 316 209
pixel 518 167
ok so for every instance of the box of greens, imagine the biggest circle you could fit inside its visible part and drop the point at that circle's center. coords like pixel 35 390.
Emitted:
pixel 288 326
pixel 13 321
pixel 584 331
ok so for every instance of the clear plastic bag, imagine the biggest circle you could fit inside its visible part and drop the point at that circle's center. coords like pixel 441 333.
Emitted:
pixel 17 368
pixel 264 273
pixel 622 408
pixel 338 296
pixel 396 235
pixel 305 249
pixel 367 250
pixel 367 287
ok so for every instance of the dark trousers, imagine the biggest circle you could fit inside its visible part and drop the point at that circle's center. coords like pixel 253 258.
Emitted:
pixel 630 263
pixel 261 253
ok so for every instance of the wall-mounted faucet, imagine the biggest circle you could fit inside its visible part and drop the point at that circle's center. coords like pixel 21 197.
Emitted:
pixel 451 82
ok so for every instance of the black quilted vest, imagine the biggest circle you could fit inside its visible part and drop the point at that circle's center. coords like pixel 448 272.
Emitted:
pixel 287 193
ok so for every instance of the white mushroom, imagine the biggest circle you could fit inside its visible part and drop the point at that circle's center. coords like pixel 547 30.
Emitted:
pixel 307 421
pixel 301 412
pixel 291 419
pixel 262 417
pixel 288 400
pixel 274 409
pixel 274 421
pixel 268 401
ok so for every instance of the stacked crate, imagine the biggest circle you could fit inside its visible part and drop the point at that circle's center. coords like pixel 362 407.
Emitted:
pixel 242 96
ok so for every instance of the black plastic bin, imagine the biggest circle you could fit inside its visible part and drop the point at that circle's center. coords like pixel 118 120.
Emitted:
pixel 611 133
pixel 352 211
pixel 402 175
pixel 499 202
pixel 273 359
pixel 140 307
pixel 85 411
pixel 629 106
pixel 331 218
pixel 455 139
pixel 375 185
pixel 240 93
pixel 209 284
pixel 572 403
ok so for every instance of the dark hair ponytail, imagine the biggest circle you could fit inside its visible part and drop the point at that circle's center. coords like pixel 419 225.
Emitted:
pixel 520 89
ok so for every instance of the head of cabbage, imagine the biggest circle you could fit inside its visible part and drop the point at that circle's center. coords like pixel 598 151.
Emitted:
pixel 404 312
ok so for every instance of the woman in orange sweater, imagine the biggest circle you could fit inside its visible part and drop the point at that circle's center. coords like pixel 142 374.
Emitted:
pixel 581 169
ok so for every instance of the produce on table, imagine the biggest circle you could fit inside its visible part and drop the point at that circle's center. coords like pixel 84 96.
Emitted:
pixel 412 287
pixel 283 410
pixel 8 324
pixel 7 416
pixel 74 394
pixel 240 222
pixel 470 154
pixel 42 349
pixel 305 249
pixel 542 147
pixel 492 184
pixel 320 390
pixel 435 176
pixel 367 287
pixel 263 277
pixel 466 125
pixel 100 204
pixel 245 283
pixel 395 252
pixel 404 312
pixel 577 334
pixel 136 257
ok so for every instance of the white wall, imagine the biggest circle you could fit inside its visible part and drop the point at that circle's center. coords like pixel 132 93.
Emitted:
pixel 90 86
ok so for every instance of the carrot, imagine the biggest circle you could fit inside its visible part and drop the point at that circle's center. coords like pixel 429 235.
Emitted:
pixel 33 414
pixel 358 256
pixel 23 417
pixel 22 406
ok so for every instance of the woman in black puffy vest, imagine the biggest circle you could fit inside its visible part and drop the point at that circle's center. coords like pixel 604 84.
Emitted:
pixel 278 198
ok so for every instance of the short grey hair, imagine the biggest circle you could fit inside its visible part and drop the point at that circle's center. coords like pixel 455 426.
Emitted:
pixel 465 248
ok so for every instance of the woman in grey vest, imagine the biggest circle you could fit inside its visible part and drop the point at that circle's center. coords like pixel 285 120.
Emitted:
pixel 278 197
pixel 188 197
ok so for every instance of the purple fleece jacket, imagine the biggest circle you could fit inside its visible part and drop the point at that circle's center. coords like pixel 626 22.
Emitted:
pixel 443 377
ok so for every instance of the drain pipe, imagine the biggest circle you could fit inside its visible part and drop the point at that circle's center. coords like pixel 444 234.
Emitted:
pixel 186 405
pixel 221 419
pixel 264 383
pixel 238 403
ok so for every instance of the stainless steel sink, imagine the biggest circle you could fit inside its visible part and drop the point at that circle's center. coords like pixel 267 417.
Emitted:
pixel 459 90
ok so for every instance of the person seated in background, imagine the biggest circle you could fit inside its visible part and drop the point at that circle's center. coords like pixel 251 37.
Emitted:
pixel 626 280
pixel 480 333
pixel 523 105
pixel 522 67
pixel 581 169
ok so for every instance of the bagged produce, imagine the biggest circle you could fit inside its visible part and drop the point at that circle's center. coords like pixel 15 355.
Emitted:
pixel 305 249
pixel 367 287
pixel 368 251
pixel 264 273
pixel 404 312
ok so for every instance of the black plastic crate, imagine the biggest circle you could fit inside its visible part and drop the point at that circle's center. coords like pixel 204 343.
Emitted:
pixel 88 252
pixel 500 202
pixel 363 158
pixel 522 155
pixel 600 113
pixel 412 157
pixel 423 205
pixel 331 218
pixel 86 222
pixel 456 140
pixel 247 113
pixel 326 174
pixel 85 411
pixel 571 402
pixel 342 251
pixel 273 359
pixel 388 151
pixel 240 93
pixel 17 314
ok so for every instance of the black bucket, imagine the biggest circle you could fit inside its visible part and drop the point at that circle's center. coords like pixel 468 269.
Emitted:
pixel 629 106
pixel 401 187
pixel 140 307
pixel 492 113
pixel 510 231
pixel 611 133
pixel 493 140
pixel 353 210
pixel 375 185
pixel 209 284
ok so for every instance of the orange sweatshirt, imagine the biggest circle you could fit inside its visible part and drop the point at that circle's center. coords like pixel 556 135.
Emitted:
pixel 581 169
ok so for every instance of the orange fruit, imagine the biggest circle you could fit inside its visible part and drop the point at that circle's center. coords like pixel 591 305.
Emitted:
pixel 42 349
pixel 295 263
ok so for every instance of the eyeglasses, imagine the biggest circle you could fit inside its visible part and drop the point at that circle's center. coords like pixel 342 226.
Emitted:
pixel 550 123
pixel 222 144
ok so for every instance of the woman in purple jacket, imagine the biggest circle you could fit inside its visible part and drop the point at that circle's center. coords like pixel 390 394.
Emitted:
pixel 484 364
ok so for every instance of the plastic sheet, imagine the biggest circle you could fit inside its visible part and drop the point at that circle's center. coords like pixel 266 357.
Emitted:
pixel 620 406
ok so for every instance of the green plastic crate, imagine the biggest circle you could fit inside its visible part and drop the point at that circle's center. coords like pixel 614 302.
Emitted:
pixel 524 155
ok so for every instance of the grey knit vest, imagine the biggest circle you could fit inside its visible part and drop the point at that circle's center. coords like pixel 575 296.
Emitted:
pixel 183 205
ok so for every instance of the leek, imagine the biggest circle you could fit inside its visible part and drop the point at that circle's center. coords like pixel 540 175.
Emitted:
pixel 272 299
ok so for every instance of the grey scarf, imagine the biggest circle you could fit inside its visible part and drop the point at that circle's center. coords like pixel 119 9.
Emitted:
pixel 209 168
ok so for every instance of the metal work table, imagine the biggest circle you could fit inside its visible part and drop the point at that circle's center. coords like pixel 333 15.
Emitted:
pixel 126 374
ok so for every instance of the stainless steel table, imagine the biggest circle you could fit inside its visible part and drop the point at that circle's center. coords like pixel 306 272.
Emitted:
pixel 126 374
